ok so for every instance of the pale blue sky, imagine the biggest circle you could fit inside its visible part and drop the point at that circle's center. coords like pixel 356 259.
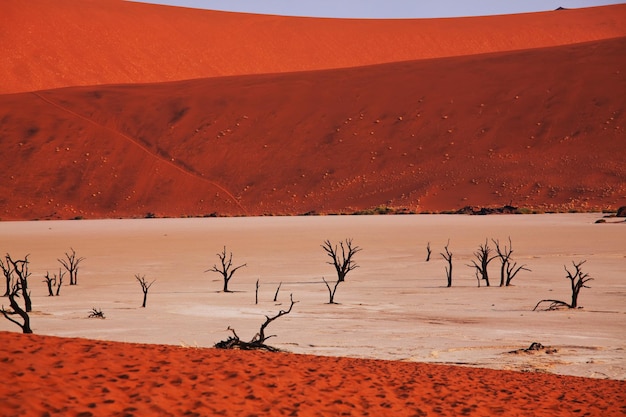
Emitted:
pixel 383 8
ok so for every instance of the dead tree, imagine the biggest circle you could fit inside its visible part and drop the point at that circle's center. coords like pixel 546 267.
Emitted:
pixel 60 281
pixel 343 261
pixel 508 268
pixel 258 341
pixel 483 258
pixel 256 293
pixel 448 257
pixel 17 270
pixel 276 293
pixel 50 281
pixel 71 265
pixel 96 314
pixel 14 294
pixel 144 287
pixel 54 281
pixel 7 276
pixel 331 293
pixel 428 252
pixel 226 269
pixel 578 279
pixel 260 337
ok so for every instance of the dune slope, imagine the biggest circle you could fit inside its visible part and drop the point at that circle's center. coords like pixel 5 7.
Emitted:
pixel 50 44
pixel 82 378
pixel 541 128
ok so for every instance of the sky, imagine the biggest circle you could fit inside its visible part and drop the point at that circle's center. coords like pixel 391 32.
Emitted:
pixel 380 9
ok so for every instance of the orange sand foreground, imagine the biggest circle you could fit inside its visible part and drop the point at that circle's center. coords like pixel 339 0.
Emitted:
pixel 78 377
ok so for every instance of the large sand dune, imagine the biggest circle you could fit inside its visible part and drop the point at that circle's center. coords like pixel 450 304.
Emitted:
pixel 523 109
pixel 542 129
pixel 48 44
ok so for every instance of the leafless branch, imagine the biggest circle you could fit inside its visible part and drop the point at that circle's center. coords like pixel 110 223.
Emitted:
pixel 226 269
pixel 258 341
pixel 342 261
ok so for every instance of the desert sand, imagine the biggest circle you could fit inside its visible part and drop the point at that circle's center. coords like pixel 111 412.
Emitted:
pixel 70 42
pixel 541 129
pixel 80 377
pixel 116 110
pixel 394 306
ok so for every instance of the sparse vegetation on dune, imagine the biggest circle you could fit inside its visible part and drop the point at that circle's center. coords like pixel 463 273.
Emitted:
pixel 446 141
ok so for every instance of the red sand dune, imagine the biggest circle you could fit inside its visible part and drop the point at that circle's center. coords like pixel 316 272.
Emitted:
pixel 78 377
pixel 541 128
pixel 48 44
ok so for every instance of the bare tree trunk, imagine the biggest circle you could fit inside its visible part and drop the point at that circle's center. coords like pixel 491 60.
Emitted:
pixel 71 265
pixel 276 293
pixel 261 337
pixel 256 293
pixel 508 270
pixel 145 286
pixel 332 292
pixel 258 341
pixel 50 281
pixel 20 269
pixel 428 252
pixel 8 282
pixel 60 281
pixel 17 309
pixel 578 279
pixel 448 257
pixel 512 270
pixel 226 269
pixel 482 255
pixel 343 261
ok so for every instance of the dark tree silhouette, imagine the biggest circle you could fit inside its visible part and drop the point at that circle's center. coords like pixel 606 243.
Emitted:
pixel 226 268
pixel 578 279
pixel 256 293
pixel 54 281
pixel 71 265
pixel 7 277
pixel 14 294
pixel 258 341
pixel 17 270
pixel 428 252
pixel 50 281
pixel 96 314
pixel 508 268
pixel 483 258
pixel 331 292
pixel 342 261
pixel 145 286
pixel 448 257
pixel 59 281
pixel 276 293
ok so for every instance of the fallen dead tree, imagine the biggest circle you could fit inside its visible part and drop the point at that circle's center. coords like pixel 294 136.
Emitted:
pixel 578 279
pixel 258 341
